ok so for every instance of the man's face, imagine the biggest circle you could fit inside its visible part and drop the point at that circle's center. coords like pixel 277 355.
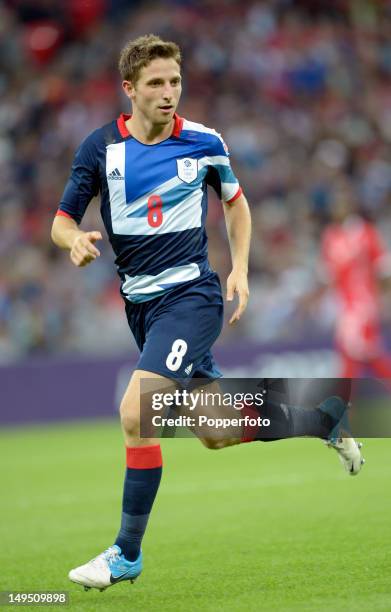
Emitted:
pixel 157 91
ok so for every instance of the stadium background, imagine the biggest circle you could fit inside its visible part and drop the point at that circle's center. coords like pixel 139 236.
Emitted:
pixel 301 92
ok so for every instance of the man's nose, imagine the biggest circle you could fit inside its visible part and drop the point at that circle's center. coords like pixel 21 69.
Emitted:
pixel 167 93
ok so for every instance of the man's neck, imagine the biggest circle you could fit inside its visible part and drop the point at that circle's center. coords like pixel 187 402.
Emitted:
pixel 146 132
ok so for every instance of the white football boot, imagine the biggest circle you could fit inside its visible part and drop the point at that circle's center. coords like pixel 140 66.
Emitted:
pixel 349 453
pixel 340 438
pixel 106 569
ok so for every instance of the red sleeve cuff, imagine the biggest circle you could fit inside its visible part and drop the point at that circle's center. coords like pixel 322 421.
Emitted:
pixel 236 196
pixel 62 213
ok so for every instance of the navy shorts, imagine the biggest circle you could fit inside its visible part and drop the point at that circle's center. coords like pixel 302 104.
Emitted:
pixel 176 331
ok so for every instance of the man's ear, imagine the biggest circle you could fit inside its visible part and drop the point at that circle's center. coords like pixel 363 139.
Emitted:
pixel 128 88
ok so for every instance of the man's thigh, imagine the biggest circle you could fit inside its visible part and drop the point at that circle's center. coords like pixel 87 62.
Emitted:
pixel 180 335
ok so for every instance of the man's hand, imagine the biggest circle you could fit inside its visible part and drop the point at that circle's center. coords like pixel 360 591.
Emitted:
pixel 237 283
pixel 67 235
pixel 83 250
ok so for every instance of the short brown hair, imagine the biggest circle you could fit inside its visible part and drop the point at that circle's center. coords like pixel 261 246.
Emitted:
pixel 140 52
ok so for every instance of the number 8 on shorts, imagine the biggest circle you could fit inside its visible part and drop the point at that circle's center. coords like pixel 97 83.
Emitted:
pixel 175 357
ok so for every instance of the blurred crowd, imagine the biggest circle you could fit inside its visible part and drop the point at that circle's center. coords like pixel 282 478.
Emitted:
pixel 300 90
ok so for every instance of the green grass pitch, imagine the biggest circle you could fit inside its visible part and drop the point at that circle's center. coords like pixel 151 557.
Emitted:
pixel 275 526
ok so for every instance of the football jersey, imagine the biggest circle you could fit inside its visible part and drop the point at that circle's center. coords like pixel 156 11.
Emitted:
pixel 153 200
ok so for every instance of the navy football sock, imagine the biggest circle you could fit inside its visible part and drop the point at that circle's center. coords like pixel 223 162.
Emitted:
pixel 142 479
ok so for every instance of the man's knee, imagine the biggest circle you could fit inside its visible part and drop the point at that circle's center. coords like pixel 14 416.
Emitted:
pixel 130 420
pixel 137 398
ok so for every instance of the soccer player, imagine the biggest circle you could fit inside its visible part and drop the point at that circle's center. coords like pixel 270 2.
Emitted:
pixel 152 169
pixel 354 262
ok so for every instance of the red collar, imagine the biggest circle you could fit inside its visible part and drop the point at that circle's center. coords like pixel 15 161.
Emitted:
pixel 123 130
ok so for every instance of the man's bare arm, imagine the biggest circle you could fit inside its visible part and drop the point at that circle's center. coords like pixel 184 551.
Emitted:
pixel 238 222
pixel 67 235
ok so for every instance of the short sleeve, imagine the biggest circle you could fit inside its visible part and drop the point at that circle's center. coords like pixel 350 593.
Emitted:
pixel 220 174
pixel 83 183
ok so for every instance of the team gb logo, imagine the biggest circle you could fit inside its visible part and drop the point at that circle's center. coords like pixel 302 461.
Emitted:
pixel 187 169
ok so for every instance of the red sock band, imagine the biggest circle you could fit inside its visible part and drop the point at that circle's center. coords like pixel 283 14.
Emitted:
pixel 144 457
pixel 249 431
